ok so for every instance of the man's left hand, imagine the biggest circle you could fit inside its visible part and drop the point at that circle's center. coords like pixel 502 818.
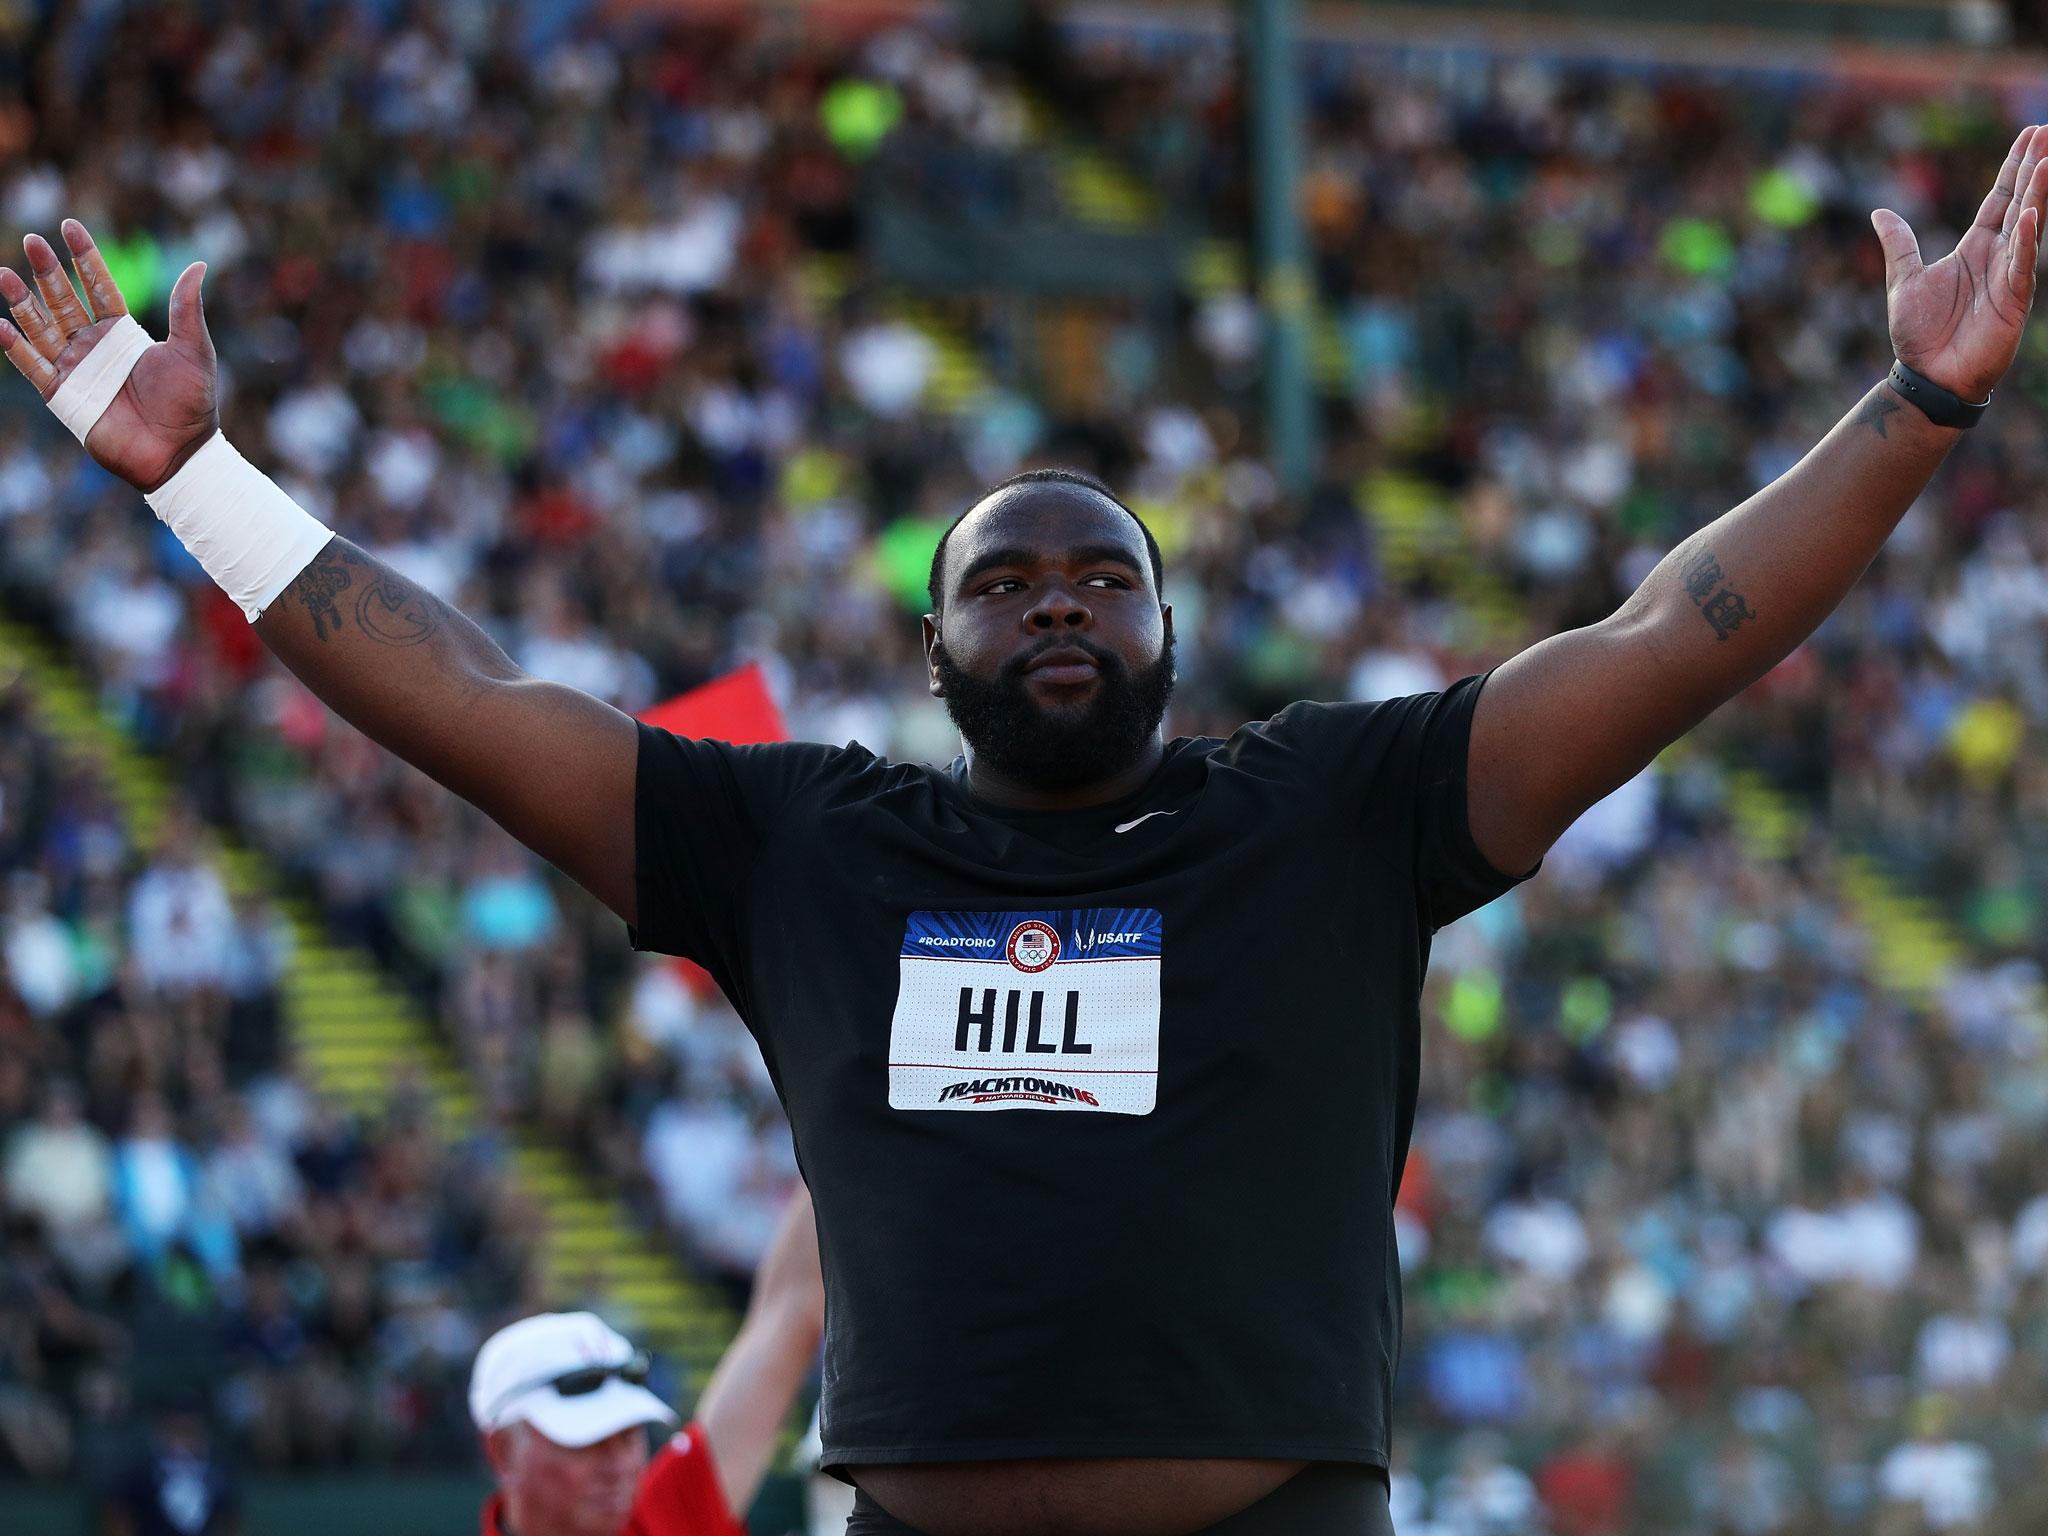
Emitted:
pixel 1959 321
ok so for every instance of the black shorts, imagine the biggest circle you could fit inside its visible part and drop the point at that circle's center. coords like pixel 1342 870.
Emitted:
pixel 1326 1498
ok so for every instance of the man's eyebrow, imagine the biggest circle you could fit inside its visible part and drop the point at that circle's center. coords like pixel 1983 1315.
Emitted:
pixel 1080 554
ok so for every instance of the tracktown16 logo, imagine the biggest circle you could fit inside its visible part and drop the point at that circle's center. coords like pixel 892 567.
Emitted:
pixel 1037 1090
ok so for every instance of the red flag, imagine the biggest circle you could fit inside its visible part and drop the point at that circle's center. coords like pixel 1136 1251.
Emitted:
pixel 736 708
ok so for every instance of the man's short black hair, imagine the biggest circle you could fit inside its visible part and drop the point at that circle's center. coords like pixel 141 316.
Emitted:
pixel 1043 477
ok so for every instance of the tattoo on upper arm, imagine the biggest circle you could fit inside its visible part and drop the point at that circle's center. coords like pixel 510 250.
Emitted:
pixel 1874 411
pixel 1701 574
pixel 388 609
pixel 1719 604
pixel 1726 611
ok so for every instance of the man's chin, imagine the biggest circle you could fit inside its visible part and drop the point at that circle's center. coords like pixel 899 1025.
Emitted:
pixel 618 1508
pixel 1064 752
pixel 1062 698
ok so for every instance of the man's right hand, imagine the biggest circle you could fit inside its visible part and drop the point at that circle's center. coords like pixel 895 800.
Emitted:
pixel 167 408
pixel 555 767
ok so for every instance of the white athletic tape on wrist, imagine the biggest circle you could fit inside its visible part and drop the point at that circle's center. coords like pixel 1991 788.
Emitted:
pixel 84 397
pixel 252 539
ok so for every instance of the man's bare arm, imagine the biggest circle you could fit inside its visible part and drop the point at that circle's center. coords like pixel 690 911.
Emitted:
pixel 750 1394
pixel 553 766
pixel 1570 719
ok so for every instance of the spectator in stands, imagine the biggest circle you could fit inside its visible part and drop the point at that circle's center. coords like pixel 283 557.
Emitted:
pixel 180 1487
pixel 159 1195
pixel 179 918
pixel 1931 1482
pixel 60 1171
pixel 560 1403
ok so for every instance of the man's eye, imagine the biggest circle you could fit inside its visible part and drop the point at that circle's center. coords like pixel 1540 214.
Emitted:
pixel 1007 581
pixel 1113 581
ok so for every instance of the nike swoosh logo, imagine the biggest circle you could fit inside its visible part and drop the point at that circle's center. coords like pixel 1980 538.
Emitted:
pixel 1144 818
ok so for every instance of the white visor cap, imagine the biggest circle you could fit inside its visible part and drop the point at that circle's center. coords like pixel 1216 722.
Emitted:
pixel 517 1368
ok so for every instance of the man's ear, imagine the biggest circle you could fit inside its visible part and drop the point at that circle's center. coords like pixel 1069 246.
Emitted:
pixel 499 1450
pixel 930 625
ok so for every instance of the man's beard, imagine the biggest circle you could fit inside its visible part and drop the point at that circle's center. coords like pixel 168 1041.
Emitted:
pixel 1068 749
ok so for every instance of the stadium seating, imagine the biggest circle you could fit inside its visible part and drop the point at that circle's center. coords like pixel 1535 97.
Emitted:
pixel 1722 1214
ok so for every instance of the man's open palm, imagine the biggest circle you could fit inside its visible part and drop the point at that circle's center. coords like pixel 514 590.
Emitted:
pixel 1959 321
pixel 167 407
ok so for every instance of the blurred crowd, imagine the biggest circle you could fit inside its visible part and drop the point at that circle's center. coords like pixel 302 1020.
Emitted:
pixel 1706 1230
pixel 186 1231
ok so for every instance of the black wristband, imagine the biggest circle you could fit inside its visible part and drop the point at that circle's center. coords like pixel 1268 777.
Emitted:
pixel 1938 405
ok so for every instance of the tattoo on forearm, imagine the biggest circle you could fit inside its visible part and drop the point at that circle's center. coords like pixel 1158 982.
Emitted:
pixel 1719 604
pixel 395 612
pixel 1874 411
pixel 317 587
pixel 388 609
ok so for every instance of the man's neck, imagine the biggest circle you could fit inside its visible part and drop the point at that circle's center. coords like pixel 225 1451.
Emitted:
pixel 994 787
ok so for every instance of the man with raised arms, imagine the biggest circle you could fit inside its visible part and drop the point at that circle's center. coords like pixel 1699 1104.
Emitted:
pixel 1162 1296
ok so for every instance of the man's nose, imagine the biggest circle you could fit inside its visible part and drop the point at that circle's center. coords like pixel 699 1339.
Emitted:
pixel 1060 607
pixel 625 1450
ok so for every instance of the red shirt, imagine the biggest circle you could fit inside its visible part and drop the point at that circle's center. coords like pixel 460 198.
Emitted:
pixel 679 1494
pixel 1586 1491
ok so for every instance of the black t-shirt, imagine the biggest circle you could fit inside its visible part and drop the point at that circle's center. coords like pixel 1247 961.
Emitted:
pixel 1103 1111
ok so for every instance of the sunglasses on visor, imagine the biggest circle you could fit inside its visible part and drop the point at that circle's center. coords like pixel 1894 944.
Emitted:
pixel 585 1380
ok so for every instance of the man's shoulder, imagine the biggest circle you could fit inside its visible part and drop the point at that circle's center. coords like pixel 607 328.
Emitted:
pixel 816 756
pixel 777 769
pixel 1316 724
pixel 680 1494
pixel 1307 727
pixel 688 1448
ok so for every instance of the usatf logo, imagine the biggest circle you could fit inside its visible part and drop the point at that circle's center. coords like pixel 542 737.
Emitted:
pixel 1039 1090
pixel 1033 946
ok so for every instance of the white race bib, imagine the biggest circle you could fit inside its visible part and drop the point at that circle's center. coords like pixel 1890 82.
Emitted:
pixel 1028 1010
